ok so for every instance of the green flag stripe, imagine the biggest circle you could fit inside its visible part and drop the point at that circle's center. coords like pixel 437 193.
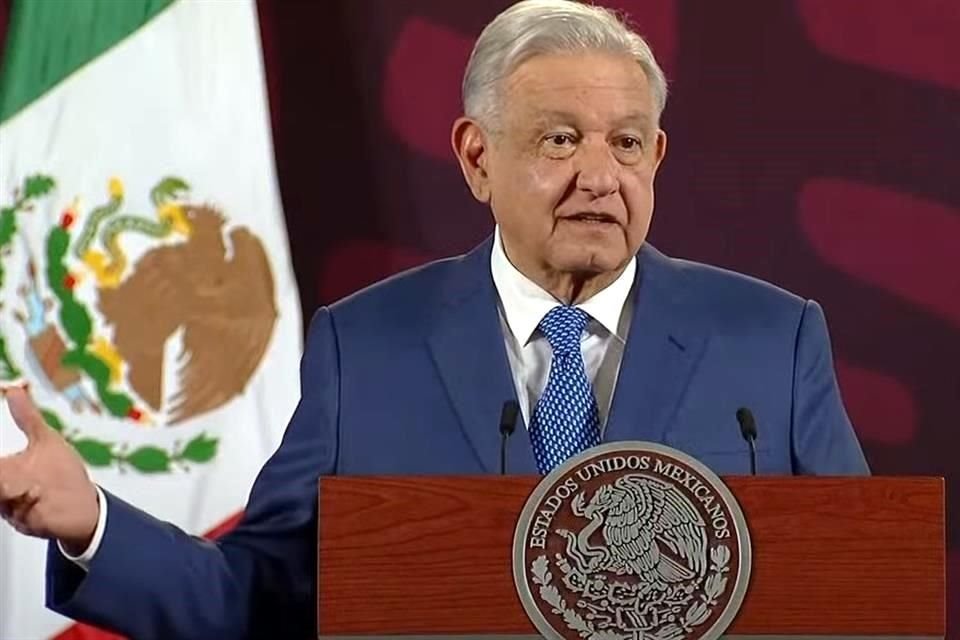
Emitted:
pixel 47 40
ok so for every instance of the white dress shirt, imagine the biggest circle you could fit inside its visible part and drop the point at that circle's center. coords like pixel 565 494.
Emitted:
pixel 523 304
pixel 84 558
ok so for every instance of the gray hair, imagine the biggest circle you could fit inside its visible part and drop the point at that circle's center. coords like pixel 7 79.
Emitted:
pixel 536 27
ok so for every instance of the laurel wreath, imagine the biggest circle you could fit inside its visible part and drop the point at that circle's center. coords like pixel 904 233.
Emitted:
pixel 145 459
pixel 77 323
pixel 551 595
pixel 33 187
pixel 695 615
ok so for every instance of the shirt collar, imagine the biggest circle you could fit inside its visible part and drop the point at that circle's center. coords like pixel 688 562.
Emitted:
pixel 525 303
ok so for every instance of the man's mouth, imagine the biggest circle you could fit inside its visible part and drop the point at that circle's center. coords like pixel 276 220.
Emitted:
pixel 597 218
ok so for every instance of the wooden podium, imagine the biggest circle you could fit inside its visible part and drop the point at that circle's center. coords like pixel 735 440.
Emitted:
pixel 432 556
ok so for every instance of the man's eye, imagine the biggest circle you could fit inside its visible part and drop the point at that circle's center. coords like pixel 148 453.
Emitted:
pixel 630 143
pixel 560 139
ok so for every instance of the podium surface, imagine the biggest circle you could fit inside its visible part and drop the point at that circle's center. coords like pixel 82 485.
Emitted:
pixel 431 556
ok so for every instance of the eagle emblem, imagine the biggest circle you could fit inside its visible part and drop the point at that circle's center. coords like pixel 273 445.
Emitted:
pixel 137 319
pixel 631 541
pixel 650 530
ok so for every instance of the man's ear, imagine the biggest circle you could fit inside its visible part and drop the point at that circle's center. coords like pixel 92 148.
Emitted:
pixel 660 149
pixel 472 147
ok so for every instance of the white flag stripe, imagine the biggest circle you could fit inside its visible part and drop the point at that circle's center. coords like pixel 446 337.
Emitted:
pixel 184 96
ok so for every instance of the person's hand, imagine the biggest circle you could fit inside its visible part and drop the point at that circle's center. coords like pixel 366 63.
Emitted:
pixel 45 490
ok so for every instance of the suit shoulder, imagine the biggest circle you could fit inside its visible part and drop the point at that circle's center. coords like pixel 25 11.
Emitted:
pixel 730 296
pixel 407 294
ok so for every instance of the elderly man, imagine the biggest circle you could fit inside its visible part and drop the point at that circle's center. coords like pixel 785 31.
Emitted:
pixel 566 309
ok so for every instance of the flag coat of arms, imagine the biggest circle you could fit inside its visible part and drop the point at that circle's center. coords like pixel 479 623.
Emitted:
pixel 146 289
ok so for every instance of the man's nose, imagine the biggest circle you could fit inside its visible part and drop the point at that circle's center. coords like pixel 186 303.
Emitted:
pixel 597 169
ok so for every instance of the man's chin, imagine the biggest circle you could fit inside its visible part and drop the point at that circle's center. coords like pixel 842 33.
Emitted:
pixel 587 262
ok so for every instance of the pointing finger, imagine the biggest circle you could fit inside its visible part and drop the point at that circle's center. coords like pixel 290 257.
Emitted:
pixel 25 413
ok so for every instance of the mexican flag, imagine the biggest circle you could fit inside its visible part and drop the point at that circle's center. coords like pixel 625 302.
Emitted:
pixel 146 288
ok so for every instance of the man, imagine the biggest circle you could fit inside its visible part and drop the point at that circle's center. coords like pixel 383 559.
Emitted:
pixel 565 308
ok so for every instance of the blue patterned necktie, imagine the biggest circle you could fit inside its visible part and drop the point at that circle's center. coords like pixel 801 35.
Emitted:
pixel 566 420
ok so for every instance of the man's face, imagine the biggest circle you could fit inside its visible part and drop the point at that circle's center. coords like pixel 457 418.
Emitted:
pixel 570 170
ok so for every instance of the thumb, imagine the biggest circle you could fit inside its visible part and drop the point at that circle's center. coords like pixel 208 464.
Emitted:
pixel 25 413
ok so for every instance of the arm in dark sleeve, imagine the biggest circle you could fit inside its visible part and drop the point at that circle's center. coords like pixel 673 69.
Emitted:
pixel 150 580
pixel 824 442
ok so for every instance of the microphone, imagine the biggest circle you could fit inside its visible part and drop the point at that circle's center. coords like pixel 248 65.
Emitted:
pixel 748 429
pixel 508 422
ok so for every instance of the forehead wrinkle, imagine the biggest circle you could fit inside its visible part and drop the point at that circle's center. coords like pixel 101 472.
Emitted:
pixel 533 88
pixel 544 117
pixel 540 94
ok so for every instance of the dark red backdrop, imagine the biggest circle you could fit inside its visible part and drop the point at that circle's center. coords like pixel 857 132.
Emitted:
pixel 813 143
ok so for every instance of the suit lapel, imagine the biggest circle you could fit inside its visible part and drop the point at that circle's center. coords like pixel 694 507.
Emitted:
pixel 663 347
pixel 467 345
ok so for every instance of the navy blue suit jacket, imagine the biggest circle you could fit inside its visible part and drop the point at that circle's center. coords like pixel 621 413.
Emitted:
pixel 408 377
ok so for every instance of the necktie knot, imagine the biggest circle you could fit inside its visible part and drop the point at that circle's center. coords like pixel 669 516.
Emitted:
pixel 563 326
